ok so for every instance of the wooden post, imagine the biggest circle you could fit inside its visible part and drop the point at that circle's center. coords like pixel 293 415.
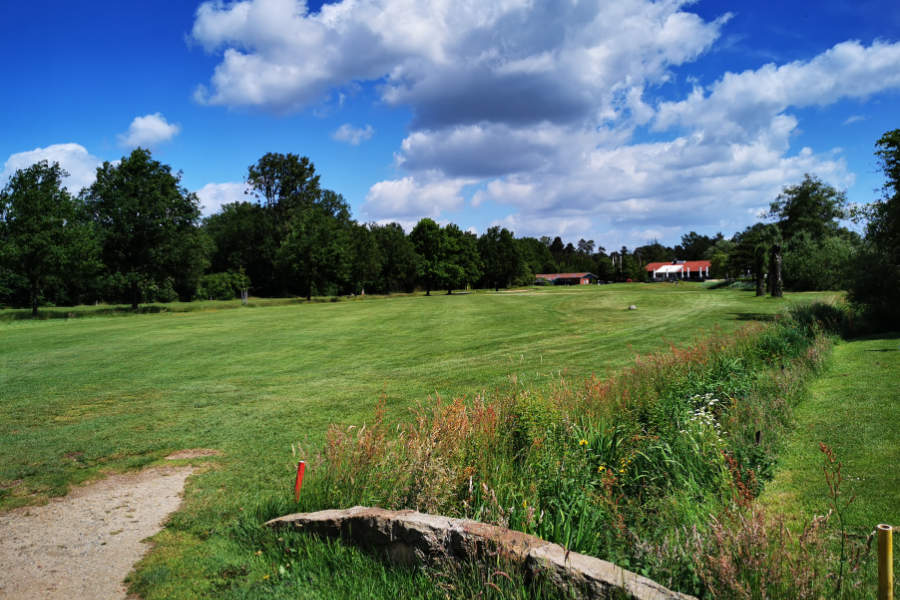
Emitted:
pixel 885 563
pixel 759 263
pixel 777 287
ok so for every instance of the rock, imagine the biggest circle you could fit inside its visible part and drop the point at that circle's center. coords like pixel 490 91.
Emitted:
pixel 409 537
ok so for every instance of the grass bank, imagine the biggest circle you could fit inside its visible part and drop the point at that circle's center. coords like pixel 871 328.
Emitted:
pixel 628 468
pixel 854 409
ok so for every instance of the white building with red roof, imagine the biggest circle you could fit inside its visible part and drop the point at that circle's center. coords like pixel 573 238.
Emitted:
pixel 696 270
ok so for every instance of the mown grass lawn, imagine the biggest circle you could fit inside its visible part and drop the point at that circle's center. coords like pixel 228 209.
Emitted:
pixel 855 409
pixel 79 396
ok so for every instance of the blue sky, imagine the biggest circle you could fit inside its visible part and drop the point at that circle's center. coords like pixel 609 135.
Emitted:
pixel 620 121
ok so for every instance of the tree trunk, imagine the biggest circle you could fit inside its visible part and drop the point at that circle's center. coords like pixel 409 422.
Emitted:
pixel 134 295
pixel 759 262
pixel 776 286
pixel 34 301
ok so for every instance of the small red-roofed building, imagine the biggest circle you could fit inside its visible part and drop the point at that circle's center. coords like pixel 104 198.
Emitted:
pixel 566 278
pixel 694 270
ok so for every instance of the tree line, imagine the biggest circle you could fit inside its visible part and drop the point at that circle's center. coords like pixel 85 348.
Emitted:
pixel 136 235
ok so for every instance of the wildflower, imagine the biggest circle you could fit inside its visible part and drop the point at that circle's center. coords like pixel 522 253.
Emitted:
pixel 266 576
pixel 583 443
pixel 621 470
pixel 601 468
pixel 524 503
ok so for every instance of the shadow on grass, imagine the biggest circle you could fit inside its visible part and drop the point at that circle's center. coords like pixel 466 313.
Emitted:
pixel 753 316
pixel 43 315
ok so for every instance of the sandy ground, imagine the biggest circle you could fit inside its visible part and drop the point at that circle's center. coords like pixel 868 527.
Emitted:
pixel 81 546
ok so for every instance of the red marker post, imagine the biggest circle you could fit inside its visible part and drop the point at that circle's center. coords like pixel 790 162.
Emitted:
pixel 301 467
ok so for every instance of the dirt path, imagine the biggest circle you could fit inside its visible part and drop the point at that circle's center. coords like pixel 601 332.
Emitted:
pixel 82 546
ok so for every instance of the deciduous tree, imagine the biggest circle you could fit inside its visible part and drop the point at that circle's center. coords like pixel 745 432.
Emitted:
pixel 877 274
pixel 500 256
pixel 148 226
pixel 429 241
pixel 284 182
pixel 43 236
pixel 812 206
pixel 398 266
pixel 316 250
pixel 461 254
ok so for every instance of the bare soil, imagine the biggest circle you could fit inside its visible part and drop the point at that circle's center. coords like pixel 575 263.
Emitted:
pixel 82 546
pixel 194 453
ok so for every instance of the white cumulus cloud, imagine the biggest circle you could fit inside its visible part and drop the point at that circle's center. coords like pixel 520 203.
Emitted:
pixel 353 135
pixel 547 108
pixel 740 104
pixel 509 60
pixel 74 158
pixel 213 196
pixel 149 130
pixel 411 198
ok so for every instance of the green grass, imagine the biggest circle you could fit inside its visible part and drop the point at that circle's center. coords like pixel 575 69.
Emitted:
pixel 855 409
pixel 80 396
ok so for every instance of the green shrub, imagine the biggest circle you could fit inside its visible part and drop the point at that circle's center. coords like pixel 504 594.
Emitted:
pixel 222 286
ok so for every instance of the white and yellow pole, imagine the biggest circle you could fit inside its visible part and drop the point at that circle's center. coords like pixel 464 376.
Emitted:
pixel 885 563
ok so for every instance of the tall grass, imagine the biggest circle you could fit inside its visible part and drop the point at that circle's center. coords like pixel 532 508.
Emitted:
pixel 634 469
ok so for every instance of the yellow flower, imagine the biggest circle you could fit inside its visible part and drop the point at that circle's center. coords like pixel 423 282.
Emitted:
pixel 600 469
pixel 266 576
pixel 621 470
pixel 524 503
pixel 583 443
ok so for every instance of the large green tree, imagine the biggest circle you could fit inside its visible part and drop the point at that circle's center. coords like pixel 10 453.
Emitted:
pixel 743 256
pixel 812 206
pixel 537 256
pixel 877 271
pixel 501 257
pixel 44 238
pixel 430 242
pixel 365 261
pixel 148 225
pixel 317 249
pixel 283 183
pixel 398 258
pixel 820 263
pixel 462 259
pixel 244 240
pixel 694 246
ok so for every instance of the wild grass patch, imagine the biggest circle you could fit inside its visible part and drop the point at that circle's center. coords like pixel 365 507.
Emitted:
pixel 634 468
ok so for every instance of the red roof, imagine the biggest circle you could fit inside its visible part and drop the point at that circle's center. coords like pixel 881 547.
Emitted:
pixel 693 265
pixel 552 276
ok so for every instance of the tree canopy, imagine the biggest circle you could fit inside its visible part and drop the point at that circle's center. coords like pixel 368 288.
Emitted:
pixel 876 283
pixel 812 206
pixel 148 229
pixel 291 236
pixel 43 231
pixel 429 242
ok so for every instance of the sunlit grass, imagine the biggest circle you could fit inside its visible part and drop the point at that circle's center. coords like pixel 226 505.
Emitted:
pixel 83 395
pixel 854 408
